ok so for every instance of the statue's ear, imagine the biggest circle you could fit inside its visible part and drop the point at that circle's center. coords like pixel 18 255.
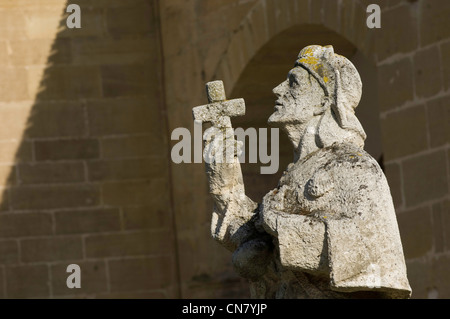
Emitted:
pixel 326 102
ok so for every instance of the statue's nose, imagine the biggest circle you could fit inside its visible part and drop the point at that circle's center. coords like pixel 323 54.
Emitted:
pixel 278 90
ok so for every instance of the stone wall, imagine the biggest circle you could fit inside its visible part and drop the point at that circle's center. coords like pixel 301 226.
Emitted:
pixel 219 39
pixel 415 118
pixel 87 113
pixel 83 151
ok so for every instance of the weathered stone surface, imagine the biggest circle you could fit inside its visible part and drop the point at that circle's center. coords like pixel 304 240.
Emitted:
pixel 329 229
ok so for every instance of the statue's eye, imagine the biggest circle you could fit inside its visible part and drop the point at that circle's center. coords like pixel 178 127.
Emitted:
pixel 292 80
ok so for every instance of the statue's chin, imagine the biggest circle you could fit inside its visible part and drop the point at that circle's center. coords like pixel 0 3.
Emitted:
pixel 274 120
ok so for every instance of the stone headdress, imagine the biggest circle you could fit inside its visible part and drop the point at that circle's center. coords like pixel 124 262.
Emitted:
pixel 340 82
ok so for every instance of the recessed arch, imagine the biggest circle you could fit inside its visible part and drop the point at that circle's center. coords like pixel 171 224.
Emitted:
pixel 269 18
pixel 269 67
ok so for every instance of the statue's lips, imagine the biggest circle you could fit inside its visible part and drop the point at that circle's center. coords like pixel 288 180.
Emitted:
pixel 278 105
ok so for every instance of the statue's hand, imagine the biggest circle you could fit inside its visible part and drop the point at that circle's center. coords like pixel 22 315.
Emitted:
pixel 220 146
pixel 233 210
pixel 223 169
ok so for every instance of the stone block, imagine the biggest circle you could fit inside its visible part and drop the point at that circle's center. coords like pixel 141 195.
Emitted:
pixel 9 252
pixel 438 228
pixel 72 149
pixel 130 21
pixel 133 193
pixel 445 56
pixel 148 217
pixel 128 244
pixel 128 80
pixel 438 112
pixel 258 25
pixel 3 283
pixel 123 116
pixel 67 83
pixel 434 22
pixel 398 32
pixel 425 178
pixel 4 200
pixel 331 14
pixel 404 132
pixel 15 151
pixel 87 221
pixel 441 277
pixel 62 119
pixel 51 249
pixel 52 197
pixel 420 277
pixel 43 23
pixel 441 222
pixel 446 223
pixel 393 3
pixel 46 173
pixel 15 116
pixel 127 146
pixel 27 281
pixel 416 232
pixel 26 52
pixel 13 84
pixel 25 224
pixel 116 170
pixel 317 10
pixel 3 53
pixel 427 72
pixel 395 84
pixel 93 278
pixel 109 51
pixel 12 24
pixel 8 175
pixel 135 274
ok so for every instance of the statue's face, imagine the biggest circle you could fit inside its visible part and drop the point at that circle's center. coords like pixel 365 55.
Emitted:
pixel 297 98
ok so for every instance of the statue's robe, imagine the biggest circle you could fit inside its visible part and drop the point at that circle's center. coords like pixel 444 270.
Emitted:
pixel 333 232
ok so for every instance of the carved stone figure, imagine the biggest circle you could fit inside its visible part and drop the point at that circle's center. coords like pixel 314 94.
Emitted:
pixel 329 229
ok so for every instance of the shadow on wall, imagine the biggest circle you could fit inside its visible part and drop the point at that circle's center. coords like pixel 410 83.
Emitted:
pixel 269 67
pixel 89 180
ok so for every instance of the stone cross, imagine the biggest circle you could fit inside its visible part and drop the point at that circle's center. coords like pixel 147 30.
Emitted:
pixel 219 110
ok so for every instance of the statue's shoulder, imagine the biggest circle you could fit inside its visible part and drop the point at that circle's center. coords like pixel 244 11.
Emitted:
pixel 340 159
pixel 340 168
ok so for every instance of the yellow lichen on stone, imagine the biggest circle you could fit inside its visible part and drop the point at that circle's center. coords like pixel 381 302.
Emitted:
pixel 310 60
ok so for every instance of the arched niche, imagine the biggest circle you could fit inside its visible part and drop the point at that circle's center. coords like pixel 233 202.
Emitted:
pixel 268 67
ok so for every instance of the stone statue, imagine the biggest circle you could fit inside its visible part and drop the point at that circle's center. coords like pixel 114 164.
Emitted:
pixel 329 229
